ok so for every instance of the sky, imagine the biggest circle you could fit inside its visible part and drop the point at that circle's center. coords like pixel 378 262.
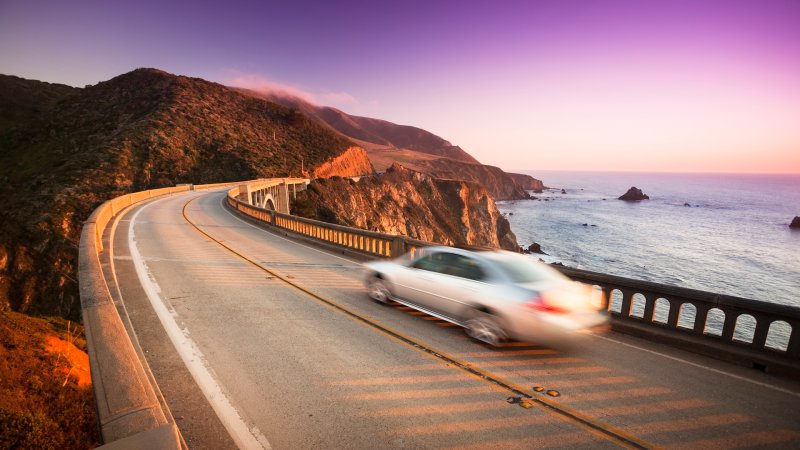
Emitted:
pixel 621 85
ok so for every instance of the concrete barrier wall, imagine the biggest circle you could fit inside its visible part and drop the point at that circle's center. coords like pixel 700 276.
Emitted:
pixel 128 409
pixel 129 412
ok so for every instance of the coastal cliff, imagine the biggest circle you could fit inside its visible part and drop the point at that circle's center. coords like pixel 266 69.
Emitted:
pixel 405 202
pixel 501 185
pixel 352 162
pixel 527 182
pixel 388 143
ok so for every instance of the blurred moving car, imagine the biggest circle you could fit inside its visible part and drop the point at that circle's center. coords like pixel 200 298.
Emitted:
pixel 494 295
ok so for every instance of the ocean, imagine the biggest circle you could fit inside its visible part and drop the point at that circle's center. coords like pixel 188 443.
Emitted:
pixel 723 233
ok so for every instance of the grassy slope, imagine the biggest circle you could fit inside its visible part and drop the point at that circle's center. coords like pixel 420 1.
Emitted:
pixel 65 150
pixel 77 147
pixel 41 405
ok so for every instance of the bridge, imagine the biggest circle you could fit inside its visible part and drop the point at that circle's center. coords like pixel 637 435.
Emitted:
pixel 214 319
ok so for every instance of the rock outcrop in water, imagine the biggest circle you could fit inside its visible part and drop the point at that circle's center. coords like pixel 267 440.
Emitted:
pixel 405 202
pixel 634 194
pixel 535 248
pixel 795 223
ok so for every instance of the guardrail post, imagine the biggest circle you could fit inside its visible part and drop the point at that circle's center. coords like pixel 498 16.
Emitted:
pixel 398 246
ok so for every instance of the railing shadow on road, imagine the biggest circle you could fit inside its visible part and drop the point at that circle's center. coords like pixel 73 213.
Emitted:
pixel 131 414
pixel 756 334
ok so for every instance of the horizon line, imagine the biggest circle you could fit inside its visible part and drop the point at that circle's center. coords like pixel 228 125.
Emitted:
pixel 654 172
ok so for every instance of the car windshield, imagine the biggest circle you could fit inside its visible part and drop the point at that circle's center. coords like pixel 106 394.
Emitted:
pixel 522 269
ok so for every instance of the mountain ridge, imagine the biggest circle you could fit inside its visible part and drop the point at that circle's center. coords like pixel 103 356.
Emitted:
pixel 144 129
pixel 65 150
pixel 371 130
pixel 388 143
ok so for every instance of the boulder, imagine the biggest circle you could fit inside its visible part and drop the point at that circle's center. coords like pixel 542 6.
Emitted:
pixel 536 248
pixel 634 194
pixel 795 223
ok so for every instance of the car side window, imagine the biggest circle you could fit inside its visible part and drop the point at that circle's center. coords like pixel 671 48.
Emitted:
pixel 468 268
pixel 451 264
pixel 431 263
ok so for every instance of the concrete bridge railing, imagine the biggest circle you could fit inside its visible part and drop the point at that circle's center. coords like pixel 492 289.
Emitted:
pixel 758 334
pixel 130 412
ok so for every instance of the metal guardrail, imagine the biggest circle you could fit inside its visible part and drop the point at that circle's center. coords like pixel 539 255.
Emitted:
pixel 755 333
pixel 128 409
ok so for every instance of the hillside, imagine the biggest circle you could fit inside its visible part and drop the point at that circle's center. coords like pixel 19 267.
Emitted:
pixel 388 143
pixel 367 130
pixel 22 99
pixel 46 401
pixel 405 202
pixel 69 149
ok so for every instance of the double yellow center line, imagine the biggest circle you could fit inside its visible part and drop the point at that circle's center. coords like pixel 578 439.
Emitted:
pixel 590 424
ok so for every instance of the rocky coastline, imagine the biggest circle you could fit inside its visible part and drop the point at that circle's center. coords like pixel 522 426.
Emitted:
pixel 410 203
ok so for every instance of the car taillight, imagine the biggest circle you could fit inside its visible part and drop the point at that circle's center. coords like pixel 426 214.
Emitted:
pixel 539 303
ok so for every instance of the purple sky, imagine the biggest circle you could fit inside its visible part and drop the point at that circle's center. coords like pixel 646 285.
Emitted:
pixel 584 85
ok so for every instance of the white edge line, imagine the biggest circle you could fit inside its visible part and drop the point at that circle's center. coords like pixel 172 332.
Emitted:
pixel 243 436
pixel 352 261
pixel 710 369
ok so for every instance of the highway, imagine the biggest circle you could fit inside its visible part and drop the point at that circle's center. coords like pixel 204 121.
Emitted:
pixel 259 341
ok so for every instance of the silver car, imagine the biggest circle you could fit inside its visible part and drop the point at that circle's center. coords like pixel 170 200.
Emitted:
pixel 494 295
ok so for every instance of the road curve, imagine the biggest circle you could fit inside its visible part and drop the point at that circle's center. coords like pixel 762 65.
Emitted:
pixel 278 346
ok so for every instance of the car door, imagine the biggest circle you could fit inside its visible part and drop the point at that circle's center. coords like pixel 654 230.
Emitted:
pixel 464 286
pixel 418 281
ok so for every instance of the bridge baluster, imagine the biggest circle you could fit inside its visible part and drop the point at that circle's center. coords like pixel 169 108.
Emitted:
pixel 625 310
pixel 700 319
pixel 605 301
pixel 649 306
pixel 793 349
pixel 728 326
pixel 760 334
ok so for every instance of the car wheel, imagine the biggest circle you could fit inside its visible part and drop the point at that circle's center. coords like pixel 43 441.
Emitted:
pixel 377 290
pixel 485 327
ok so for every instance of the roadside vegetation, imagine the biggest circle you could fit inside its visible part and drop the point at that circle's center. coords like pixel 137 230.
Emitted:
pixel 46 399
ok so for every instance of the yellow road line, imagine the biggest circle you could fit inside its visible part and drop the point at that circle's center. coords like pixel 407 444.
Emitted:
pixel 565 413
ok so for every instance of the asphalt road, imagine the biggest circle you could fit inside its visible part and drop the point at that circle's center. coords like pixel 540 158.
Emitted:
pixel 260 341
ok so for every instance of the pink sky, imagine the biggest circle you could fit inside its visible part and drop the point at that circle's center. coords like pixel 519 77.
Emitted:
pixel 679 85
